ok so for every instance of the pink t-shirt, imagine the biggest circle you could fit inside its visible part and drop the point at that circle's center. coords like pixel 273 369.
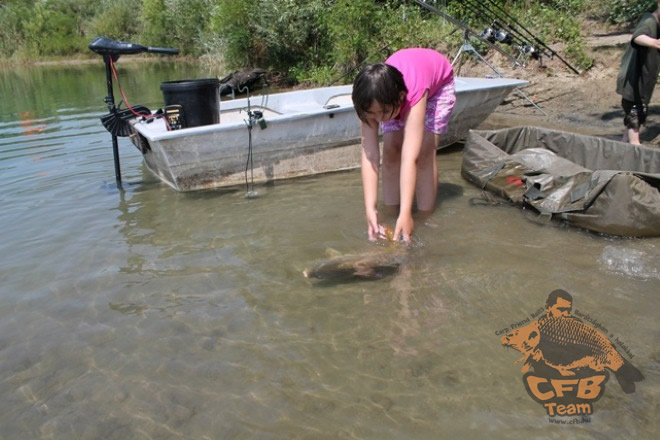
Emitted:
pixel 422 70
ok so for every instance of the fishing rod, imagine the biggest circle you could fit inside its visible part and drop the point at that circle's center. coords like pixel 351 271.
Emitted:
pixel 537 40
pixel 525 46
pixel 494 17
pixel 495 32
pixel 509 30
pixel 468 47
pixel 467 30
pixel 478 11
pixel 512 18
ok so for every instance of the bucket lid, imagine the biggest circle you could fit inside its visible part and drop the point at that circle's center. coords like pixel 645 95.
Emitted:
pixel 189 84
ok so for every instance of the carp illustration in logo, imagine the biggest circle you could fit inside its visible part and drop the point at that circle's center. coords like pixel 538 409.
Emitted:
pixel 559 346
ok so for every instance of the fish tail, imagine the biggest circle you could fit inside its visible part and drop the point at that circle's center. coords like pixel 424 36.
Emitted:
pixel 627 375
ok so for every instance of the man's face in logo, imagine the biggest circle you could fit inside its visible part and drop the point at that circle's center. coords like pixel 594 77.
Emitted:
pixel 560 308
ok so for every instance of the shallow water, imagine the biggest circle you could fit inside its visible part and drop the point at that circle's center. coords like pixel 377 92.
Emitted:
pixel 147 313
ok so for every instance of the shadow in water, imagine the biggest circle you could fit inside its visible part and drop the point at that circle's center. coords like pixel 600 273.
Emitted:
pixel 649 134
pixel 618 113
pixel 212 193
pixel 448 191
pixel 383 273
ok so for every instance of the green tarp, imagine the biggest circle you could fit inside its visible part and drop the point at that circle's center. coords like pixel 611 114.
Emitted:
pixel 595 183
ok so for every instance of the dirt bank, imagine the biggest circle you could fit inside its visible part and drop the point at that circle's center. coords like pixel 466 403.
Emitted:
pixel 585 103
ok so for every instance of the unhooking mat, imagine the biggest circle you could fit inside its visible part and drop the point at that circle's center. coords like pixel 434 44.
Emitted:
pixel 598 184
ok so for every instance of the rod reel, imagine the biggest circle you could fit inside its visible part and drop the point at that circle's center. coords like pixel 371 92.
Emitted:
pixel 488 34
pixel 530 51
pixel 493 34
pixel 466 30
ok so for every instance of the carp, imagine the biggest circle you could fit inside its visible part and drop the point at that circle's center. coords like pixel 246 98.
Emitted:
pixel 370 265
pixel 567 345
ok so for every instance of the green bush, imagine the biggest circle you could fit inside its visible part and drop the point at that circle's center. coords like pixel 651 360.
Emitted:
pixel 368 31
pixel 629 11
pixel 187 21
pixel 304 40
pixel 555 21
pixel 12 33
pixel 117 19
pixel 353 27
pixel 272 34
pixel 31 29
pixel 155 23
pixel 51 27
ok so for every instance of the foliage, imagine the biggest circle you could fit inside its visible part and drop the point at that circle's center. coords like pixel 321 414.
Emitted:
pixel 629 11
pixel 33 28
pixel 368 31
pixel 155 23
pixel 12 19
pixel 554 26
pixel 117 19
pixel 56 27
pixel 233 20
pixel 278 35
pixel 536 23
pixel 304 40
pixel 187 21
pixel 353 26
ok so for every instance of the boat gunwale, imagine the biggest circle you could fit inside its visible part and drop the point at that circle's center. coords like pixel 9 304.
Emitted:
pixel 156 135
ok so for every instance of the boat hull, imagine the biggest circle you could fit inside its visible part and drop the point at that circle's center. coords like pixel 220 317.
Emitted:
pixel 308 132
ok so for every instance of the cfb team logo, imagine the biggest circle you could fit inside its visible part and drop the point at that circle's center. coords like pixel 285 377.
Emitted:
pixel 567 362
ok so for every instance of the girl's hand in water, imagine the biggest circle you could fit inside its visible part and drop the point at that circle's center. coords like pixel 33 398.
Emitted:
pixel 404 227
pixel 385 233
pixel 373 228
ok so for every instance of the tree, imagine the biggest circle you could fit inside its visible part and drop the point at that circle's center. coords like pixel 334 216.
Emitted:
pixel 117 19
pixel 155 23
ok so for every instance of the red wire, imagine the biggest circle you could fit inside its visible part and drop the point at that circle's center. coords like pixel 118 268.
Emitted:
pixel 149 116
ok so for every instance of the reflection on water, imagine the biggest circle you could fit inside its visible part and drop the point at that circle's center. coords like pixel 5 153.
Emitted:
pixel 156 314
pixel 635 263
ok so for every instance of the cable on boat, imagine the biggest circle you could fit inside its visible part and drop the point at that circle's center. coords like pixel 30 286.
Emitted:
pixel 123 95
pixel 253 117
pixel 249 192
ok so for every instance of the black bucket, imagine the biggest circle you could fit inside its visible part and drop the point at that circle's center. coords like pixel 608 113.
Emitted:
pixel 199 98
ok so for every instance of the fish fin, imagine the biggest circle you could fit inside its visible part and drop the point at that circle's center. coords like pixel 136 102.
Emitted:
pixel 332 253
pixel 523 359
pixel 363 270
pixel 627 375
pixel 565 371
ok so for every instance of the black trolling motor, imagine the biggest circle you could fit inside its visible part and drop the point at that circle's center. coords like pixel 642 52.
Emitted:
pixel 116 121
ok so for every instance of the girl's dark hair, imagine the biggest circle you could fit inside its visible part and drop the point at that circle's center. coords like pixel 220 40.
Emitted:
pixel 377 82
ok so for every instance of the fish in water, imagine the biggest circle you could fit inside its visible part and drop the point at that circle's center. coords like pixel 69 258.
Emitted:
pixel 567 344
pixel 371 265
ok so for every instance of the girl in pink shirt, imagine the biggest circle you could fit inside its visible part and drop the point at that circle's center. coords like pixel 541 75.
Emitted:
pixel 411 95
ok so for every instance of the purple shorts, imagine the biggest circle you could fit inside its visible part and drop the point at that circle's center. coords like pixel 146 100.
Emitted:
pixel 438 112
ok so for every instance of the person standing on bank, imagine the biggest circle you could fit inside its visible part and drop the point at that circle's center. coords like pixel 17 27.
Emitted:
pixel 411 95
pixel 639 72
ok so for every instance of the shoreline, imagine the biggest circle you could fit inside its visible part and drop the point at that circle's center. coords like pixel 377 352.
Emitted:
pixel 586 103
pixel 96 59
